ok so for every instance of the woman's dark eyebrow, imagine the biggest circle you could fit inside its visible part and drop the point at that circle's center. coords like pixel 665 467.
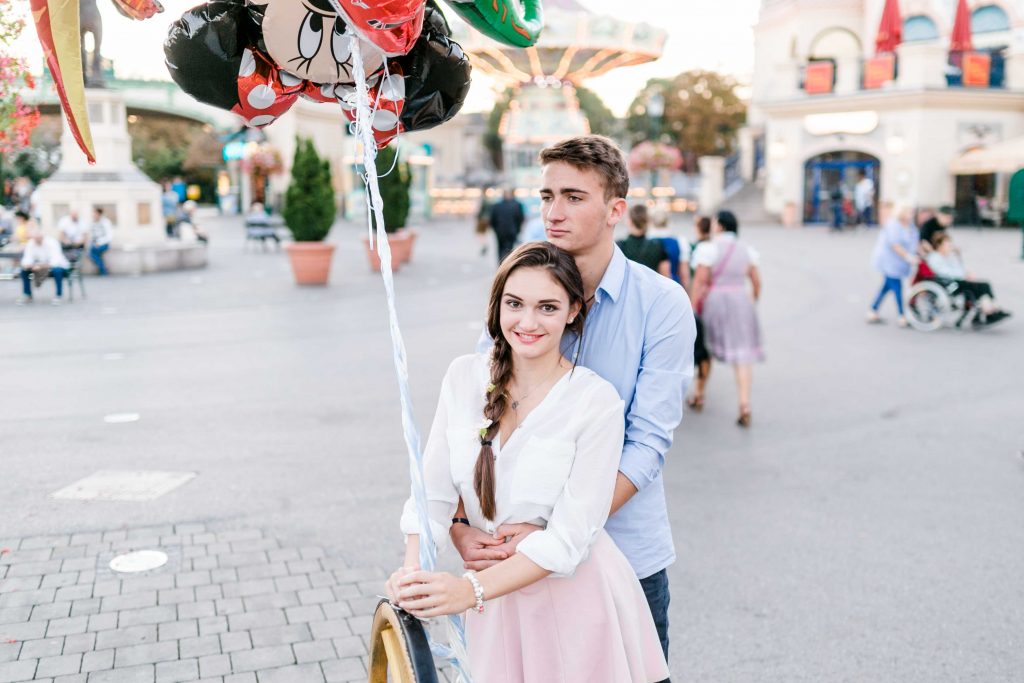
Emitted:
pixel 513 296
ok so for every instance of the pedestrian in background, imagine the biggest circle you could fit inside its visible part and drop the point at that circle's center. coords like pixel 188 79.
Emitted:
pixel 864 198
pixel 895 257
pixel 701 357
pixel 71 231
pixel 42 257
pixel 938 222
pixel 101 232
pixel 677 251
pixel 23 226
pixel 169 206
pixel 507 218
pixel 483 223
pixel 733 331
pixel 638 248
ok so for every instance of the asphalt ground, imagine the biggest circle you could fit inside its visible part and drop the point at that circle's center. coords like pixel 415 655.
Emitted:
pixel 868 527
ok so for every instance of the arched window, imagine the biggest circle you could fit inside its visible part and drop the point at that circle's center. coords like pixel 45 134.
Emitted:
pixel 919 28
pixel 989 19
pixel 836 43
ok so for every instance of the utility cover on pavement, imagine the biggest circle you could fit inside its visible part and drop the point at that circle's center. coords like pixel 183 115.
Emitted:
pixel 124 485
pixel 139 561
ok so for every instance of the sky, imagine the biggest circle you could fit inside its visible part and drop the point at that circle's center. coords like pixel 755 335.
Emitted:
pixel 713 35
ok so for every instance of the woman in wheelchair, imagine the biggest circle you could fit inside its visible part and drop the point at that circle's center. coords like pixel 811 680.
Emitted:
pixel 946 264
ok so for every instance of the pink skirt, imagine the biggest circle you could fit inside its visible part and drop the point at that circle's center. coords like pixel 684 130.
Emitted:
pixel 592 627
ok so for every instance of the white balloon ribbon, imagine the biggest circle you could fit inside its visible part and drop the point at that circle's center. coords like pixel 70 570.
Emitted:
pixel 455 652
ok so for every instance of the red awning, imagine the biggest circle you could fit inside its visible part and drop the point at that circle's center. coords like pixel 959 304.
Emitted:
pixel 960 38
pixel 890 29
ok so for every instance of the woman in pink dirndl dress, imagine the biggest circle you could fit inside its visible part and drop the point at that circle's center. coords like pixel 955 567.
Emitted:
pixel 727 307
pixel 520 435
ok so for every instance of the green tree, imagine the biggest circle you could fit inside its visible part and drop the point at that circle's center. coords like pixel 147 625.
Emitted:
pixel 602 120
pixel 395 179
pixel 309 207
pixel 701 113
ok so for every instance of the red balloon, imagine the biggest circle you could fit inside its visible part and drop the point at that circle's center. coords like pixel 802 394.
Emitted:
pixel 391 25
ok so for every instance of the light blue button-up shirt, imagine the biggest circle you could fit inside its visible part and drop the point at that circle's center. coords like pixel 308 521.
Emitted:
pixel 638 336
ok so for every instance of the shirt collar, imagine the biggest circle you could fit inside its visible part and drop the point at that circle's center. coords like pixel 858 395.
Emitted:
pixel 614 276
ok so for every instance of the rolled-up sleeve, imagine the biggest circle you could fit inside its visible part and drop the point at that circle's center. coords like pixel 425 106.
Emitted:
pixel 666 369
pixel 582 508
pixel 442 494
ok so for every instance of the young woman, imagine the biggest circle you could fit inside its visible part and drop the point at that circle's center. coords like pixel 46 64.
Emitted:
pixel 727 308
pixel 523 436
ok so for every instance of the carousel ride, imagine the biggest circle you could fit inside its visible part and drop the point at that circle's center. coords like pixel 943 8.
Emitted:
pixel 576 45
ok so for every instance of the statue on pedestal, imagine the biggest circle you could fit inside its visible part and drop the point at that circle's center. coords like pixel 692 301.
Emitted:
pixel 90 21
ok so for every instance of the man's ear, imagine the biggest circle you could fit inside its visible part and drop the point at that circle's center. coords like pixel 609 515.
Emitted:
pixel 616 211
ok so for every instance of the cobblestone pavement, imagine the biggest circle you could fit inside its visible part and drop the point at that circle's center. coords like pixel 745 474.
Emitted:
pixel 231 606
pixel 866 528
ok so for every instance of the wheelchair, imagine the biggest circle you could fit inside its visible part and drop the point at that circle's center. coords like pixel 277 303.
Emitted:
pixel 934 302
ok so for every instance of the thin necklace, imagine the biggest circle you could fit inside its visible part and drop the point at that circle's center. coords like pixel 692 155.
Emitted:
pixel 516 402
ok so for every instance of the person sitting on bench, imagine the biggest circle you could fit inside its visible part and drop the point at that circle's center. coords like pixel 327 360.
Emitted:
pixel 42 256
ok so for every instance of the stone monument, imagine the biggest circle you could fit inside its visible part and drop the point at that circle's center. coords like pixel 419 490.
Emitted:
pixel 129 198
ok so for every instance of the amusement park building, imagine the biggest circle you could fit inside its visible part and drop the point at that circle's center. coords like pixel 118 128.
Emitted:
pixel 820 112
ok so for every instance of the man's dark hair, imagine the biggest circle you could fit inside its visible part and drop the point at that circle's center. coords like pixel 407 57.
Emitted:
pixel 98 209
pixel 596 153
pixel 727 219
pixel 21 214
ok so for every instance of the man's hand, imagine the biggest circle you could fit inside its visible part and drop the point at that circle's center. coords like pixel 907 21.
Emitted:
pixel 477 548
pixel 511 534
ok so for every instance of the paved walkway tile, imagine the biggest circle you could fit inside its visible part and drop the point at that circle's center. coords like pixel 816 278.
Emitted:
pixel 230 605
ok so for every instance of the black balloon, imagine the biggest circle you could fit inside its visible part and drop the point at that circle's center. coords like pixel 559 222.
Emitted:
pixel 204 49
pixel 437 76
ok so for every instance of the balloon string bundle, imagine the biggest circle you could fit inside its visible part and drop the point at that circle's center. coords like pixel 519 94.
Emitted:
pixel 455 652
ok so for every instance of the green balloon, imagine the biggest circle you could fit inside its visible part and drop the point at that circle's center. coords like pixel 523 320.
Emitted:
pixel 503 20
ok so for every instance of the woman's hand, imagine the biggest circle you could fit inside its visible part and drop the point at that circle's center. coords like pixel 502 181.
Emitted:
pixel 391 588
pixel 433 594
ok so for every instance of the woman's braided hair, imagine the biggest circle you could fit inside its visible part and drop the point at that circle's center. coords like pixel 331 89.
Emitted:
pixel 560 265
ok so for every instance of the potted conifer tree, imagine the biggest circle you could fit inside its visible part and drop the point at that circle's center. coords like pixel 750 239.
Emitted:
pixel 395 179
pixel 309 211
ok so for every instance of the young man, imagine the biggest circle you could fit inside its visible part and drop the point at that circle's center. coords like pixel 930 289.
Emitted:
pixel 638 335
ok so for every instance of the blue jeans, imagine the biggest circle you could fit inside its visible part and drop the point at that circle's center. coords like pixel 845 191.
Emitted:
pixel 837 215
pixel 656 590
pixel 58 280
pixel 96 254
pixel 894 285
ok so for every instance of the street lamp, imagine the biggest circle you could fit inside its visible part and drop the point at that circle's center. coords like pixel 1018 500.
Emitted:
pixel 655 110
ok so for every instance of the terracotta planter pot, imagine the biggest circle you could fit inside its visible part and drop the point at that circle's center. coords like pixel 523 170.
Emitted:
pixel 400 242
pixel 311 262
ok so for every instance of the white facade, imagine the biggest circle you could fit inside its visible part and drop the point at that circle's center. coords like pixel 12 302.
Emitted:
pixel 913 127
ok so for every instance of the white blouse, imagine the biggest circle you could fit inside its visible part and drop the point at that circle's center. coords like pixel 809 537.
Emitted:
pixel 557 470
pixel 708 251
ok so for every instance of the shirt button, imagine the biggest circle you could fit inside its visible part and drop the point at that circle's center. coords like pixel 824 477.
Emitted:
pixel 490 528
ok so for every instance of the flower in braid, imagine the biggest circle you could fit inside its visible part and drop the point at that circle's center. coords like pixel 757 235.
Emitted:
pixel 561 266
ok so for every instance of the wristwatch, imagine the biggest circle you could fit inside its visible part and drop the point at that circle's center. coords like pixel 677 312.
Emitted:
pixel 460 520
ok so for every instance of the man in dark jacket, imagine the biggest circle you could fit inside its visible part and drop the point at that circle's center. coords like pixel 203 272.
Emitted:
pixel 506 220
